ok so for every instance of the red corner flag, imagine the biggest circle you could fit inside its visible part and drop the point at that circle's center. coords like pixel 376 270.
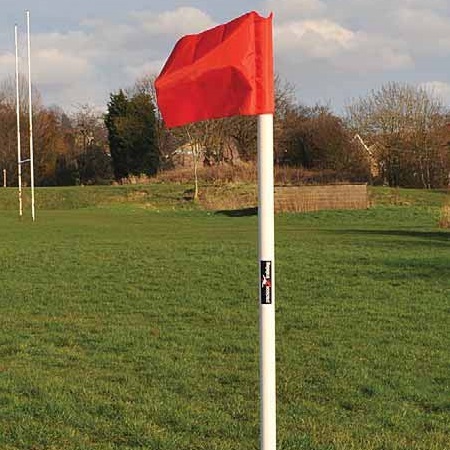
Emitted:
pixel 224 71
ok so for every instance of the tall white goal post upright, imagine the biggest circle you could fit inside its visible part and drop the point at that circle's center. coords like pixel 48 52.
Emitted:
pixel 19 156
pixel 266 250
pixel 30 115
pixel 21 161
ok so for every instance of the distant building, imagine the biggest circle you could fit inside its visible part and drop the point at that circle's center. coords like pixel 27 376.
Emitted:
pixel 371 152
pixel 183 156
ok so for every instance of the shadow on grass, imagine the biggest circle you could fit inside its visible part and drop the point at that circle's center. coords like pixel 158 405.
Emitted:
pixel 245 212
pixel 443 236
pixel 399 267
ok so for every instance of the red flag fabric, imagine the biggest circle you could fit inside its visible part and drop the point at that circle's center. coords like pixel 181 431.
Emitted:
pixel 222 72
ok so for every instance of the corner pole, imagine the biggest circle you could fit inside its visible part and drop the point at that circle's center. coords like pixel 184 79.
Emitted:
pixel 30 112
pixel 266 250
pixel 19 157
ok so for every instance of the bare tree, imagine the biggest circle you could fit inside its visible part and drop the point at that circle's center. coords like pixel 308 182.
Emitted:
pixel 205 140
pixel 8 94
pixel 404 123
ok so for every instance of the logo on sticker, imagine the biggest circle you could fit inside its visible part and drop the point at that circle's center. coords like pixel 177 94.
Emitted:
pixel 266 282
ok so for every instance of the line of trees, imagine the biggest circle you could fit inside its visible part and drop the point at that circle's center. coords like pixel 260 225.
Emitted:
pixel 398 135
pixel 69 149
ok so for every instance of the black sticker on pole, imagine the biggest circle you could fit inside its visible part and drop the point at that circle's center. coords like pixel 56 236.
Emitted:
pixel 266 282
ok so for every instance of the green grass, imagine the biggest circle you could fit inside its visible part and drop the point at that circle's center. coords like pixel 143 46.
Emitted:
pixel 153 197
pixel 130 327
pixel 408 197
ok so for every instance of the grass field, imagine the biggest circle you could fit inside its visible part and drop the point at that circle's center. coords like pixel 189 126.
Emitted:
pixel 133 324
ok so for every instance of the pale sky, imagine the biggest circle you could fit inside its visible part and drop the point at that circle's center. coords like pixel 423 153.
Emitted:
pixel 331 50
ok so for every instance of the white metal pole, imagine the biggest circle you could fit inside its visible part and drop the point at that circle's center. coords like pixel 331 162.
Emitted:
pixel 4 177
pixel 19 157
pixel 30 112
pixel 266 246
